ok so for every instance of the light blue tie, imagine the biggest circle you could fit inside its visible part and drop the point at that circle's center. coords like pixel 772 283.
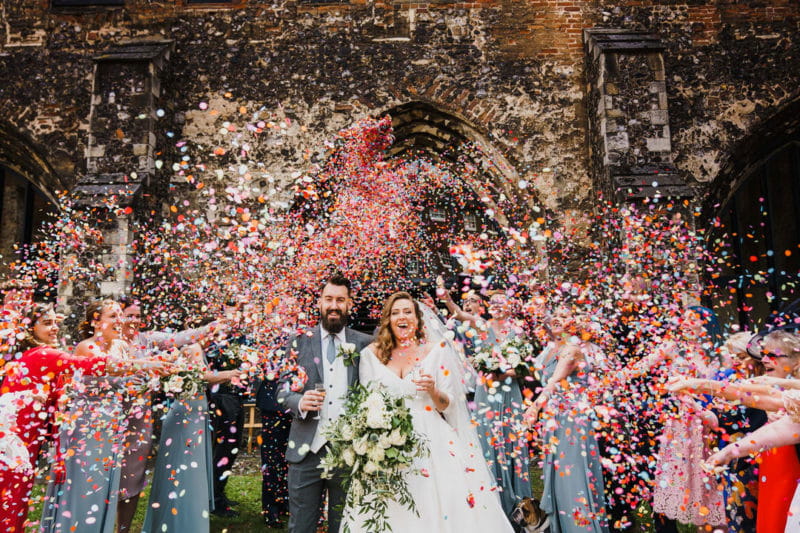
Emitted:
pixel 332 349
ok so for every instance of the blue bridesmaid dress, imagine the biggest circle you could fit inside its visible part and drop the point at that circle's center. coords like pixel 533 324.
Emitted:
pixel 498 413
pixel 181 494
pixel 91 443
pixel 573 495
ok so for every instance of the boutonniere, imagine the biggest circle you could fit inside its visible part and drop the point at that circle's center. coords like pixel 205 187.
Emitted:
pixel 347 351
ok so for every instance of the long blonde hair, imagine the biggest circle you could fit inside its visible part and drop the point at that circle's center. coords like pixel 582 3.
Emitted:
pixel 385 339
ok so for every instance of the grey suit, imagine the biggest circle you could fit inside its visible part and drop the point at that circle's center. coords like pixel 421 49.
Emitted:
pixel 306 487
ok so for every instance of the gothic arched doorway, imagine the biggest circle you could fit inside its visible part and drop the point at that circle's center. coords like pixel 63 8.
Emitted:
pixel 754 243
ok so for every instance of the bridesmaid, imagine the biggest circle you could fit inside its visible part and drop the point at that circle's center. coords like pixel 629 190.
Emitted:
pixel 498 401
pixel 573 495
pixel 44 370
pixel 138 441
pixel 91 437
pixel 181 496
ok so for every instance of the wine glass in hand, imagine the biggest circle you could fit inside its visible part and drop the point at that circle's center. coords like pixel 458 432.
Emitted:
pixel 319 387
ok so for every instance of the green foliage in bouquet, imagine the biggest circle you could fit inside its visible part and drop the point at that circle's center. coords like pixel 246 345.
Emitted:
pixel 515 353
pixel 373 446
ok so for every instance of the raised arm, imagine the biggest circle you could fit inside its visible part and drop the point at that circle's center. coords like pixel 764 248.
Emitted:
pixel 751 394
pixel 783 432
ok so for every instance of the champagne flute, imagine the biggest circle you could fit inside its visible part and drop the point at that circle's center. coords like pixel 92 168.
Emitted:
pixel 416 373
pixel 319 387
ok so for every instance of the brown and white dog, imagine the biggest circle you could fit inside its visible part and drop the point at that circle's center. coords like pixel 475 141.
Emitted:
pixel 529 517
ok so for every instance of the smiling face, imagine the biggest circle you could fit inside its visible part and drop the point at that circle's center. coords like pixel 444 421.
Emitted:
pixel 560 322
pixel 499 306
pixel 334 307
pixel 131 321
pixel 45 329
pixel 403 320
pixel 776 362
pixel 474 305
pixel 109 324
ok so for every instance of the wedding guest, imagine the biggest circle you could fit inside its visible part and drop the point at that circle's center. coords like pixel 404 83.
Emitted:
pixel 42 369
pixel 682 490
pixel 498 411
pixel 46 371
pixel 92 435
pixel 573 496
pixel 275 425
pixel 17 300
pixel 630 413
pixel 138 441
pixel 181 496
pixel 226 405
pixel 735 421
pixel 779 467
pixel 316 354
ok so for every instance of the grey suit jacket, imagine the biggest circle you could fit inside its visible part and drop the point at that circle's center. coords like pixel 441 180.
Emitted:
pixel 308 350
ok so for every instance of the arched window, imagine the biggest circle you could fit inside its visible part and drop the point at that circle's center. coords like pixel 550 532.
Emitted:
pixel 23 211
pixel 755 244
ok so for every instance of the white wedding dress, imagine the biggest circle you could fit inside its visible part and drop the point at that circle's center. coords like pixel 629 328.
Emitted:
pixel 453 491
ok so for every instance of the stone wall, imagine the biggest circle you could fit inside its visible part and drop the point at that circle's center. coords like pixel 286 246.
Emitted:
pixel 514 71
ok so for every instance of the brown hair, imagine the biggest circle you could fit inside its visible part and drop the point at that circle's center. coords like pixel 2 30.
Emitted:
pixel 31 317
pixel 93 312
pixel 385 340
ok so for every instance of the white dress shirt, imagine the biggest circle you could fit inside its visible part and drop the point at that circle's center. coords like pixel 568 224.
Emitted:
pixel 335 379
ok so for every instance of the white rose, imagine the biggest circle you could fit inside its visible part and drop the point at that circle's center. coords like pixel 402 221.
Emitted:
pixel 360 446
pixel 384 441
pixel 376 417
pixel 376 454
pixel 347 432
pixel 348 347
pixel 397 438
pixel 348 456
pixel 514 360
pixel 370 468
pixel 373 402
pixel 174 384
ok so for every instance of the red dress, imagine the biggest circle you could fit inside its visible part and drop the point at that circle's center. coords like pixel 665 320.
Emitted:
pixel 41 368
pixel 778 474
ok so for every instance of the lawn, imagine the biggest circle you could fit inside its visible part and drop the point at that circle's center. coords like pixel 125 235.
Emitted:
pixel 246 489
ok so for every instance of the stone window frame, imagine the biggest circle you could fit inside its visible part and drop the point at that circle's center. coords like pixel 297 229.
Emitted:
pixel 437 214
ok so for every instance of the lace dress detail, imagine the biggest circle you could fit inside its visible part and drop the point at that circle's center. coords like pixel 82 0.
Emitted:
pixel 683 490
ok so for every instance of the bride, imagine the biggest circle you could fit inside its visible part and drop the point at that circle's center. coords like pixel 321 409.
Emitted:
pixel 451 487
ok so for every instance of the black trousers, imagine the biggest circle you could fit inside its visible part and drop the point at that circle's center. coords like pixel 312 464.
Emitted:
pixel 227 420
pixel 274 470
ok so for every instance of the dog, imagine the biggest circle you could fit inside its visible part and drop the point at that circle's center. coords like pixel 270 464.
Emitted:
pixel 529 517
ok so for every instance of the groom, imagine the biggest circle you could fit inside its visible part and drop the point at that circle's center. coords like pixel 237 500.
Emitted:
pixel 316 352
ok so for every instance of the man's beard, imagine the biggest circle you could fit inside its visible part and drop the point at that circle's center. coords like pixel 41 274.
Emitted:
pixel 336 324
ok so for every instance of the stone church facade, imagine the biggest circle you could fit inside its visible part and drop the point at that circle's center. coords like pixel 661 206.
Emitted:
pixel 578 99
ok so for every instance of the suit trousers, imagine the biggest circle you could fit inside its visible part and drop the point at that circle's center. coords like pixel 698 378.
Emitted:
pixel 274 439
pixel 306 495
pixel 227 419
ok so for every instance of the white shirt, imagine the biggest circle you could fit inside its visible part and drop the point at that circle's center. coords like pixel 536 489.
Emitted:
pixel 335 379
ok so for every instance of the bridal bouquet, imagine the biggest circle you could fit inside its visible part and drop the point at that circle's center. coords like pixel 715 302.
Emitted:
pixel 515 353
pixel 374 444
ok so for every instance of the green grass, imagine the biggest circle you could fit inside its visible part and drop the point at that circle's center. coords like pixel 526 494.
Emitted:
pixel 244 489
